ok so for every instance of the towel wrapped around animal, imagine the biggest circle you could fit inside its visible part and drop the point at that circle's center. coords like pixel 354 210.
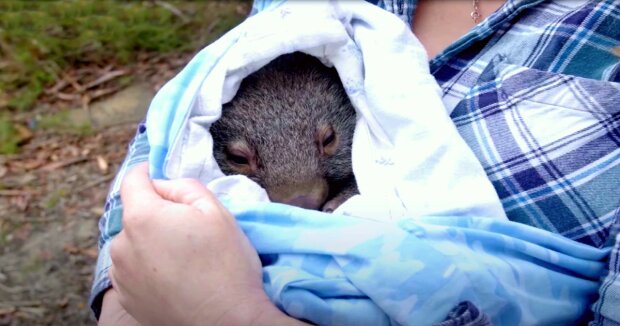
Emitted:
pixel 427 230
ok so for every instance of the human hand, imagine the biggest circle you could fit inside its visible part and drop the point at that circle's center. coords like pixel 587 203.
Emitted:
pixel 181 258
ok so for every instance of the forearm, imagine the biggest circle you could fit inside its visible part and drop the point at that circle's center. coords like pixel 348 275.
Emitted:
pixel 275 317
pixel 253 313
pixel 257 312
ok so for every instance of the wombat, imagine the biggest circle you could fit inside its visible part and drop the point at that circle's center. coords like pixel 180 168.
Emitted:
pixel 290 128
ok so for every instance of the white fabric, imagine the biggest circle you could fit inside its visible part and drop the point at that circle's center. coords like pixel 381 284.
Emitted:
pixel 408 158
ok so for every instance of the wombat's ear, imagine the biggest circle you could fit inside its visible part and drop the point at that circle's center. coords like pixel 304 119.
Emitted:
pixel 326 139
pixel 241 157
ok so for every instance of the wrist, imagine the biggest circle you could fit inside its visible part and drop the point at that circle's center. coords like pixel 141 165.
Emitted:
pixel 112 313
pixel 255 310
pixel 273 316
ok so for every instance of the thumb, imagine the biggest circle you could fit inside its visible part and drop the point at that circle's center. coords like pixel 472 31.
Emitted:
pixel 187 191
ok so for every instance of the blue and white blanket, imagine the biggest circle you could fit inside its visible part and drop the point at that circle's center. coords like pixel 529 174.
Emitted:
pixel 427 230
pixel 350 271
pixel 408 157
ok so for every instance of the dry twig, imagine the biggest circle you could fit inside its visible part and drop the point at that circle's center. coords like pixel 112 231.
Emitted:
pixel 95 183
pixel 61 164
pixel 174 10
pixel 79 88
pixel 57 87
pixel 12 290
pixel 105 78
pixel 17 192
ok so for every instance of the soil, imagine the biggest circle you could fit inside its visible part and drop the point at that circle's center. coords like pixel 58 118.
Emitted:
pixel 51 197
pixel 52 194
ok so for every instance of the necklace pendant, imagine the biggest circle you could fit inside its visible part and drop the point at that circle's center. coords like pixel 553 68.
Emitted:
pixel 475 14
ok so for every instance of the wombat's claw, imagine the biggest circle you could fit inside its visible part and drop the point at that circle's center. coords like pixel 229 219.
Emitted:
pixel 331 205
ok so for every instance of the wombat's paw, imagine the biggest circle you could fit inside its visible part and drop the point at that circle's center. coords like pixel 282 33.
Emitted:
pixel 331 205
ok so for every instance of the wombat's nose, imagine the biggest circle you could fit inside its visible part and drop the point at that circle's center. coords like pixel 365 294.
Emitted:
pixel 305 201
pixel 308 194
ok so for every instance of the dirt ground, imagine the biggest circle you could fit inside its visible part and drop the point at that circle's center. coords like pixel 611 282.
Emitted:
pixel 51 197
pixel 52 194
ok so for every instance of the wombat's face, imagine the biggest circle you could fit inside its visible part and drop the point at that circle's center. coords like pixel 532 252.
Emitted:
pixel 290 129
pixel 299 167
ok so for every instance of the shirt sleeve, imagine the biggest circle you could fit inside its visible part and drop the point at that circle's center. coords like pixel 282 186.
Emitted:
pixel 110 223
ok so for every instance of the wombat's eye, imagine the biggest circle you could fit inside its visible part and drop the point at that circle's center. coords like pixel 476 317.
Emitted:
pixel 329 138
pixel 240 153
pixel 237 159
pixel 326 140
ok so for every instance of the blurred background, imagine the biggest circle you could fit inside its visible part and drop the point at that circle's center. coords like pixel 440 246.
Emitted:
pixel 75 78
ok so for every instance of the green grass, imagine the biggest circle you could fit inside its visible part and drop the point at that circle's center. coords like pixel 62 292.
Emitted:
pixel 9 138
pixel 39 39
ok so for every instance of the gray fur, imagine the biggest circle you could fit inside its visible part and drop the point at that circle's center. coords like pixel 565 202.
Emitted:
pixel 277 112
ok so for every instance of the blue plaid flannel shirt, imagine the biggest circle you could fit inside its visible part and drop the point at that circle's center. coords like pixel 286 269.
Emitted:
pixel 535 92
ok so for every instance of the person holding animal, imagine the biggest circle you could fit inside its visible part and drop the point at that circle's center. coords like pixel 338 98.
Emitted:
pixel 220 279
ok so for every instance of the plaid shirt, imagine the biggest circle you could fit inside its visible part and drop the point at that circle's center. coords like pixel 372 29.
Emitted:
pixel 535 92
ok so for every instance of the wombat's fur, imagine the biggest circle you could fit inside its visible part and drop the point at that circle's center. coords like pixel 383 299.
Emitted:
pixel 290 128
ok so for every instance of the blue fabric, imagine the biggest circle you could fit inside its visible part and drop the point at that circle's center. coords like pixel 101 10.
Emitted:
pixel 466 314
pixel 338 270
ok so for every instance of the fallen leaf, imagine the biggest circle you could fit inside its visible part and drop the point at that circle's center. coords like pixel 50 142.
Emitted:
pixel 63 303
pixel 98 210
pixel 71 249
pixel 102 164
pixel 616 51
pixel 73 150
pixel 28 165
pixel 24 133
pixel 91 252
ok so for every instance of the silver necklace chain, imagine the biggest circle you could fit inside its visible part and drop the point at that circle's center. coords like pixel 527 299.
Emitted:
pixel 475 14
